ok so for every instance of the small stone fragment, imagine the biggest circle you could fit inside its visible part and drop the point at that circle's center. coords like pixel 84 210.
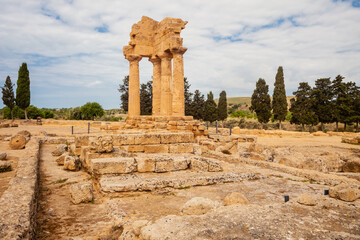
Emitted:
pixel 5 166
pixel 60 149
pixel 305 199
pixel 137 225
pixel 26 134
pixel 17 142
pixel 81 193
pixel 60 160
pixel 235 198
pixel 3 155
pixel 71 163
pixel 198 206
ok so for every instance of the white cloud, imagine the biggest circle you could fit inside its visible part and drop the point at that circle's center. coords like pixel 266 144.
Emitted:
pixel 71 63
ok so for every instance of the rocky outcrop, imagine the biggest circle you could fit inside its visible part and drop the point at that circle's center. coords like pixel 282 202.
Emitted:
pixel 235 198
pixel 305 199
pixel 345 192
pixel 60 149
pixel 198 206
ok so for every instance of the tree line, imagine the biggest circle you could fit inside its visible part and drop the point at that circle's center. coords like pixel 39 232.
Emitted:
pixel 195 103
pixel 328 102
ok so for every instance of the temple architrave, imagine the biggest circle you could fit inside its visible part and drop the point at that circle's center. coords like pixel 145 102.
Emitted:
pixel 162 44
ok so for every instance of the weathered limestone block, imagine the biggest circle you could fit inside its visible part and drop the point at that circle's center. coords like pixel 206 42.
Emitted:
pixel 305 199
pixel 199 164
pixel 136 148
pixel 101 144
pixel 345 192
pixel 210 145
pixel 145 164
pixel 137 225
pixel 158 148
pixel 177 138
pixel 214 166
pixel 72 163
pixel 26 134
pixel 113 165
pixel 146 139
pixel 60 149
pixel 60 160
pixel 235 130
pixel 198 206
pixel 352 165
pixel 17 142
pixel 4 166
pixel 81 141
pixel 180 164
pixel 181 148
pixel 3 155
pixel 164 165
pixel 81 193
pixel 235 198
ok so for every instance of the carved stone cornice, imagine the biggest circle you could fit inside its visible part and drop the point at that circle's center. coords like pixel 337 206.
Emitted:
pixel 133 57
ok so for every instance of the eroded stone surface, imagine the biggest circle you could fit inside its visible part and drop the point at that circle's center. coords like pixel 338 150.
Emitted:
pixel 81 193
pixel 17 142
pixel 198 206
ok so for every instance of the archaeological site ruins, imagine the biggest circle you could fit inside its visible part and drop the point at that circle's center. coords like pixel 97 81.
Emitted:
pixel 168 176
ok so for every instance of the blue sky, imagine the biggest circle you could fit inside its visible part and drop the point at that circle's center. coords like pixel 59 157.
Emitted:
pixel 74 48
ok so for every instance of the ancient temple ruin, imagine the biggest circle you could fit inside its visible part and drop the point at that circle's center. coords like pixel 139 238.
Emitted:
pixel 161 43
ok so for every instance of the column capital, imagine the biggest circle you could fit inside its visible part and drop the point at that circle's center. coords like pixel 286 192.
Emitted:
pixel 178 50
pixel 154 59
pixel 133 57
pixel 165 55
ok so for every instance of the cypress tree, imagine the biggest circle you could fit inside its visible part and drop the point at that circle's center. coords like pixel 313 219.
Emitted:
pixel 323 105
pixel 279 103
pixel 211 111
pixel 146 98
pixel 222 106
pixel 23 89
pixel 260 101
pixel 197 105
pixel 302 106
pixel 124 90
pixel 187 95
pixel 8 95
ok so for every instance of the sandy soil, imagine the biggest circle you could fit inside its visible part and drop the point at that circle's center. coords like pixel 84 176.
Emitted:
pixel 13 157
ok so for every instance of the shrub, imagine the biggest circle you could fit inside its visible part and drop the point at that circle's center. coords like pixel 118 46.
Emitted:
pixel 91 110
pixel 33 112
pixel 48 114
pixel 18 113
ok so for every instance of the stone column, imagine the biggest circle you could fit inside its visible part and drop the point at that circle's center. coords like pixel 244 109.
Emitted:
pixel 178 101
pixel 134 85
pixel 156 98
pixel 166 95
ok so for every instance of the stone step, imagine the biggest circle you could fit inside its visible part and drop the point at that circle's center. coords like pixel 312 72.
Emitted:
pixel 153 163
pixel 180 179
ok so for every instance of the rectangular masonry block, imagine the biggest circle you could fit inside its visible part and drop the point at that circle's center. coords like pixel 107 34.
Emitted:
pixel 145 164
pixel 123 139
pixel 157 148
pixel 144 139
pixel 81 141
pixel 135 148
pixel 113 165
pixel 165 165
pixel 181 148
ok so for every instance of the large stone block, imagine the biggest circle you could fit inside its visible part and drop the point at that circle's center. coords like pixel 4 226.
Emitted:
pixel 181 148
pixel 145 164
pixel 113 165
pixel 180 164
pixel 123 139
pixel 177 138
pixel 81 141
pixel 164 165
pixel 81 193
pixel 157 148
pixel 199 164
pixel 136 148
pixel 147 139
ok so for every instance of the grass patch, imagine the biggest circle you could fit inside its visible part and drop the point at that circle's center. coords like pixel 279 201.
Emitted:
pixel 92 200
pixel 8 169
pixel 181 188
pixel 60 181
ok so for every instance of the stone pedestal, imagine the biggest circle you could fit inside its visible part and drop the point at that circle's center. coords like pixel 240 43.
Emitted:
pixel 134 85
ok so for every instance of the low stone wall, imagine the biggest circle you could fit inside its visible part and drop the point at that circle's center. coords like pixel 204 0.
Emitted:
pixel 18 204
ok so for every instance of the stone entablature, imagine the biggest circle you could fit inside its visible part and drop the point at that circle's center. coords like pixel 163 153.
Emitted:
pixel 161 43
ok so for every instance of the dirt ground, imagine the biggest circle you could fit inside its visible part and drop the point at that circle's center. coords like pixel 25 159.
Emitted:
pixel 58 218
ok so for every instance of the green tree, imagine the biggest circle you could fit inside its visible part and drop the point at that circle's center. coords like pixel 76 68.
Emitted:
pixel 23 89
pixel 146 98
pixel 8 95
pixel 356 106
pixel 75 114
pixel 124 90
pixel 279 103
pixel 187 95
pixel 302 108
pixel 197 106
pixel 260 101
pixel 323 105
pixel 48 114
pixel 90 110
pixel 222 106
pixel 33 112
pixel 210 110
pixel 338 90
